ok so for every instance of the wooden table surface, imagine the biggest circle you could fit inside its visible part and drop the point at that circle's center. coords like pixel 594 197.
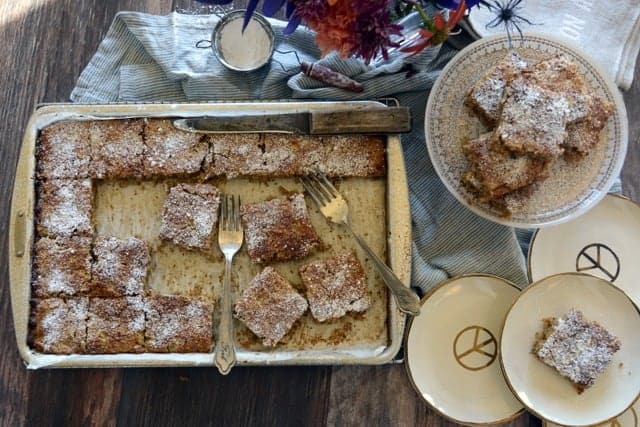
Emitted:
pixel 47 44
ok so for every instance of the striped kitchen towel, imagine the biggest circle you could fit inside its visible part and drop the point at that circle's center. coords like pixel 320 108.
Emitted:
pixel 146 58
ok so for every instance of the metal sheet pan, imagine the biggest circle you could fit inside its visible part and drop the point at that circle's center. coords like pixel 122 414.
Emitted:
pixel 21 236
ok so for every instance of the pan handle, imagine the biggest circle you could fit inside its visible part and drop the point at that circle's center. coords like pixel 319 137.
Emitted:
pixel 20 233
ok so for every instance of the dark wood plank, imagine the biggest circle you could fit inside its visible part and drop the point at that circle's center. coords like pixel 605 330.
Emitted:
pixel 48 44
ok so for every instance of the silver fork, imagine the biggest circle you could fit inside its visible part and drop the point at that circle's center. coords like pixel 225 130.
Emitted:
pixel 335 209
pixel 230 237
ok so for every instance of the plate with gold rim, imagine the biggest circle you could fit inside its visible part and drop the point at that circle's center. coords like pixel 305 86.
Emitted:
pixel 629 418
pixel 540 388
pixel 452 349
pixel 603 243
pixel 573 187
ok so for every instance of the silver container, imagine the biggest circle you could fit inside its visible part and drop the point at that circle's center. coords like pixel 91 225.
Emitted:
pixel 218 48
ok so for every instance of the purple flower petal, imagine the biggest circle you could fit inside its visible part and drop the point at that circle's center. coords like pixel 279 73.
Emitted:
pixel 251 7
pixel 291 7
pixel 270 7
pixel 294 21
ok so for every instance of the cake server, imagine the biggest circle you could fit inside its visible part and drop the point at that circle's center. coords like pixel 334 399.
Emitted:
pixel 390 120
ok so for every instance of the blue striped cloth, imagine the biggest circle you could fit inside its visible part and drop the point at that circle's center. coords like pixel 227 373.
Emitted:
pixel 146 58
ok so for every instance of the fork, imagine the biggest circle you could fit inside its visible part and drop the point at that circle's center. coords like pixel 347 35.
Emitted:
pixel 334 207
pixel 230 235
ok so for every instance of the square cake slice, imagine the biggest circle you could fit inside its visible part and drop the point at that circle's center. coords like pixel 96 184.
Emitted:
pixel 117 148
pixel 533 119
pixel 578 349
pixel 64 150
pixel 115 325
pixel 178 324
pixel 495 171
pixel 584 135
pixel 269 306
pixel 235 155
pixel 59 326
pixel 65 208
pixel 120 267
pixel 62 266
pixel 190 215
pixel 485 96
pixel 170 151
pixel 278 229
pixel 335 286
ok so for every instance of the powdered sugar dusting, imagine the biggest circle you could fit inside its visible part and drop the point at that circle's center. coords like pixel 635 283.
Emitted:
pixel 578 349
pixel 65 207
pixel 279 229
pixel 335 286
pixel 190 215
pixel 270 306
pixel 120 267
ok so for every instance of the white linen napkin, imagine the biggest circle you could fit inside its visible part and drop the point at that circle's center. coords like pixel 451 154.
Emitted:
pixel 608 31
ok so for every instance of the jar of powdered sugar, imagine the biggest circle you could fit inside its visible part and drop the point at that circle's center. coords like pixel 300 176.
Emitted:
pixel 240 50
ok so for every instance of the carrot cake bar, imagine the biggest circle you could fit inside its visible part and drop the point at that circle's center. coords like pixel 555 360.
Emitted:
pixel 533 119
pixel 485 96
pixel 170 151
pixel 578 349
pixel 117 148
pixel 279 229
pixel 495 171
pixel 65 208
pixel 276 155
pixel 64 150
pixel 178 324
pixel 62 266
pixel 115 325
pixel 120 266
pixel 59 326
pixel 335 286
pixel 351 155
pixel 270 306
pixel 190 215
pixel 584 135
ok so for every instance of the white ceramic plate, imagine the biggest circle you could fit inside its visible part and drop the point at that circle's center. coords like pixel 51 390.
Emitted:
pixel 629 418
pixel 571 189
pixel 539 387
pixel 452 350
pixel 603 242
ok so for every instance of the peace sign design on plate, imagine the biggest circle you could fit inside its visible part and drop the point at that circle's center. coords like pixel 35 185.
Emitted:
pixel 484 345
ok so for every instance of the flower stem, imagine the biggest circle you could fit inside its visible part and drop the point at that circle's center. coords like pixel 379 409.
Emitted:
pixel 423 14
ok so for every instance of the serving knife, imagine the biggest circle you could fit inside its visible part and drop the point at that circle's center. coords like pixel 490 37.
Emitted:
pixel 377 120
